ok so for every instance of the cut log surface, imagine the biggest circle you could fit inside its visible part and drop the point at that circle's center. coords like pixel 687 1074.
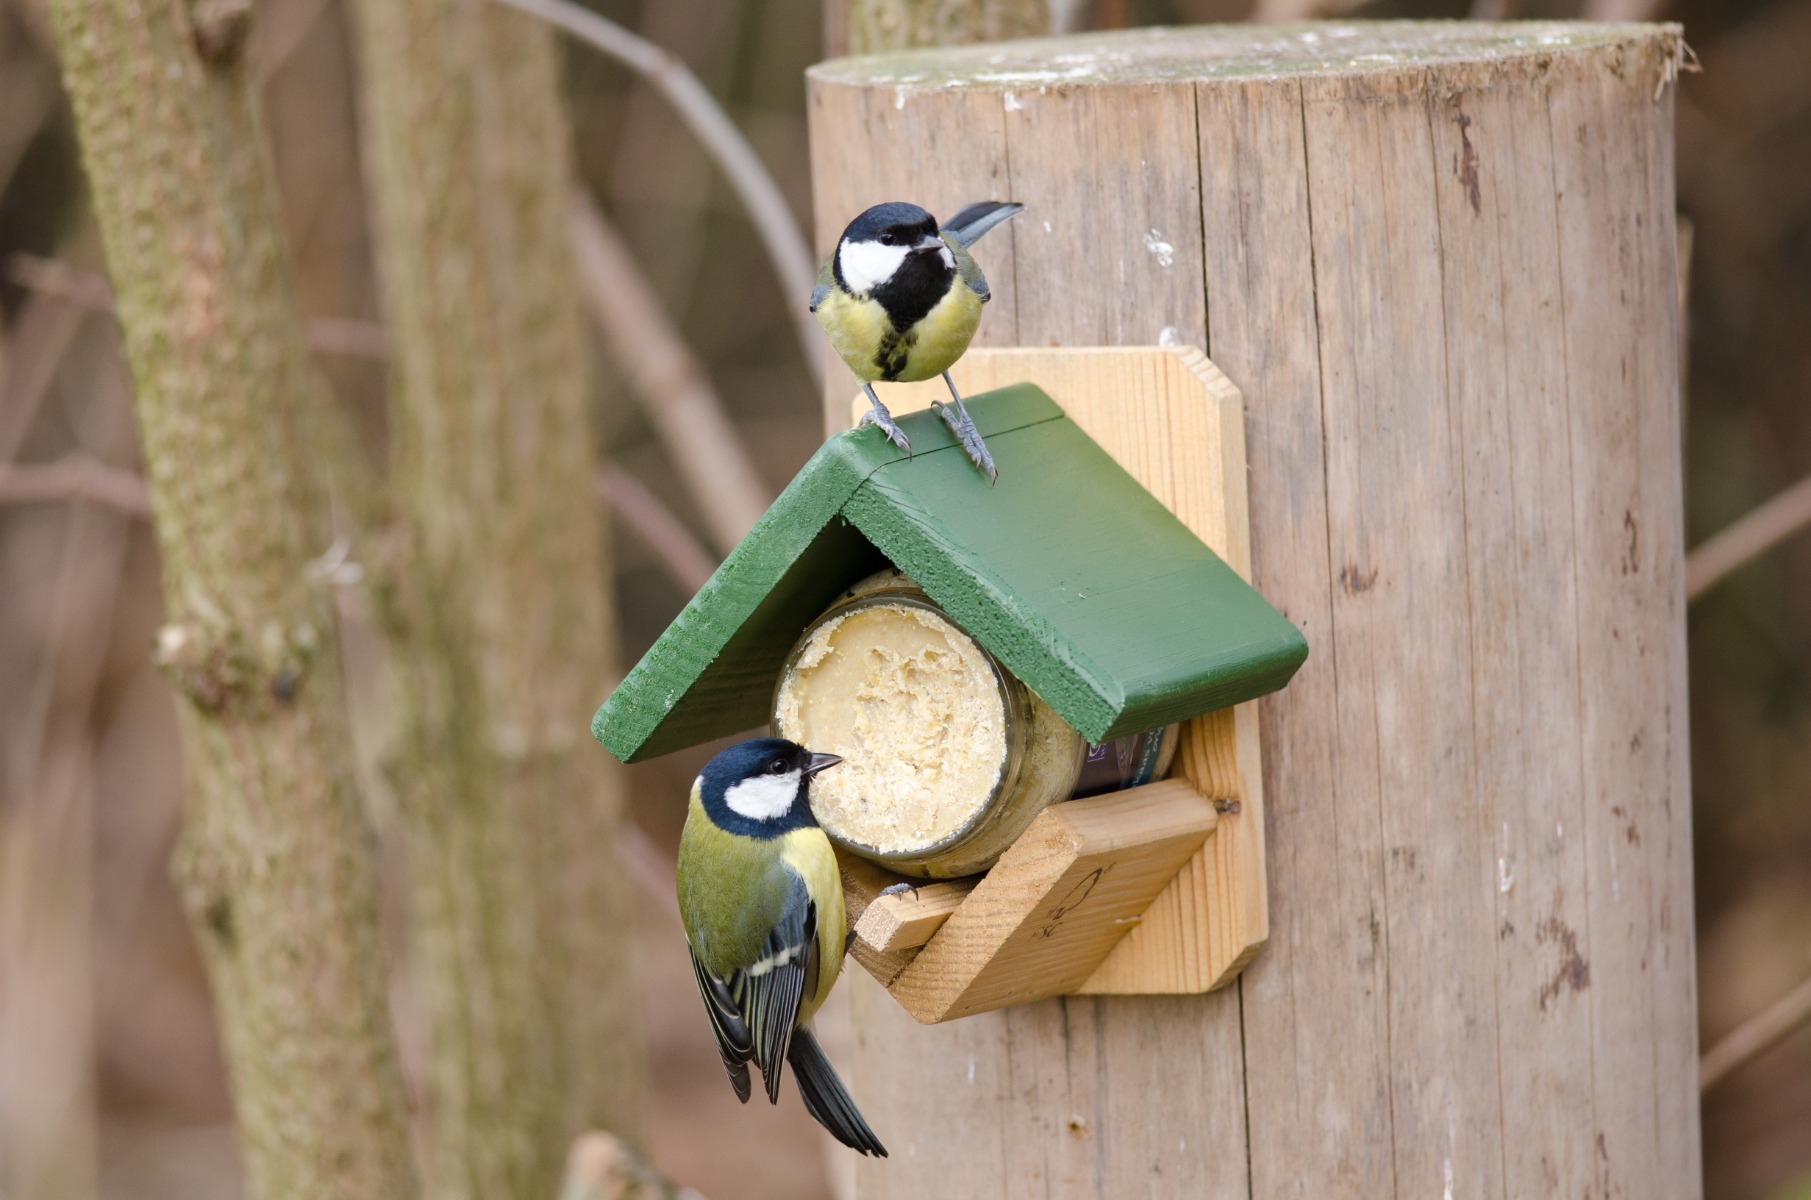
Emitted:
pixel 1438 260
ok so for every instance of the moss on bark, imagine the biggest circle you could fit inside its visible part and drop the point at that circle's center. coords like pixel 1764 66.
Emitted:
pixel 277 864
pixel 497 600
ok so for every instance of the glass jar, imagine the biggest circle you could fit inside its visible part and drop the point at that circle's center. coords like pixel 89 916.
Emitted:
pixel 947 757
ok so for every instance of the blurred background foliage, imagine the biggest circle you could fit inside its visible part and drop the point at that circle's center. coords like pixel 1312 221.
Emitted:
pixel 107 1045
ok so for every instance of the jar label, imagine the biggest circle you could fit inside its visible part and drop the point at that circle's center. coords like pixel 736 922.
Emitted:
pixel 1127 762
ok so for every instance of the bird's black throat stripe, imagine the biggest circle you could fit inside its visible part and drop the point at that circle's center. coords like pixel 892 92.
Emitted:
pixel 894 351
pixel 915 288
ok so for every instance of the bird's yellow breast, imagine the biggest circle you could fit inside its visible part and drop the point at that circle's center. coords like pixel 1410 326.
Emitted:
pixel 865 339
pixel 856 326
pixel 943 335
pixel 808 852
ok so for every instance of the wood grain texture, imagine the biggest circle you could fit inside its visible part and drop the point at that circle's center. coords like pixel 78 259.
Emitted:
pixel 1522 597
pixel 1622 375
pixel 906 920
pixel 1458 347
pixel 1368 141
pixel 863 882
pixel 1173 420
pixel 985 964
pixel 1316 1037
pixel 1041 920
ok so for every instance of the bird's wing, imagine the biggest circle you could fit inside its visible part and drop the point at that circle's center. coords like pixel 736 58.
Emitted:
pixel 825 281
pixel 768 991
pixel 733 1042
pixel 968 268
pixel 752 1011
pixel 968 225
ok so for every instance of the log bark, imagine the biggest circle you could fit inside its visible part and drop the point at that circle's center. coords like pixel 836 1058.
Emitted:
pixel 277 865
pixel 1439 262
pixel 497 600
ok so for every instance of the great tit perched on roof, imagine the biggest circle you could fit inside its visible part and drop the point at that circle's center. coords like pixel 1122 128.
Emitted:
pixel 901 300
pixel 762 903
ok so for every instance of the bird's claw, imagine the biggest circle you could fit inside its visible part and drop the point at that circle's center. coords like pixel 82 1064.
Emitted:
pixel 879 416
pixel 962 426
pixel 900 889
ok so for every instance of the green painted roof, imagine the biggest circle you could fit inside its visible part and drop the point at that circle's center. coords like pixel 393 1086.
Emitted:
pixel 1078 580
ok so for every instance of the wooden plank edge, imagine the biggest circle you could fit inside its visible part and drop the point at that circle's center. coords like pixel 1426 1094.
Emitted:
pixel 907 920
pixel 1041 921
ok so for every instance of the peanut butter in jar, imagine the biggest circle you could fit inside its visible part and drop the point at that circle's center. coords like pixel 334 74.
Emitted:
pixel 946 756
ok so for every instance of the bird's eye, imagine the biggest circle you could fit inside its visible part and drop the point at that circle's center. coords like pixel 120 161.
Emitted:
pixel 887 239
pixel 777 766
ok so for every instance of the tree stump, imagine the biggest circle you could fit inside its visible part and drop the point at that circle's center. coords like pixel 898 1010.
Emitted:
pixel 1438 259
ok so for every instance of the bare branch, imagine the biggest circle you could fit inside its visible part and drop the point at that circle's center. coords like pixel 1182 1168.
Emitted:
pixel 54 279
pixel 60 281
pixel 1747 539
pixel 686 562
pixel 76 478
pixel 652 867
pixel 41 336
pixel 1755 1035
pixel 767 208
pixel 672 387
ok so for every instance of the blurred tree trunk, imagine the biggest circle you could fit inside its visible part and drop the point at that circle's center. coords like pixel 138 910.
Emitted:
pixel 277 865
pixel 497 600
pixel 876 26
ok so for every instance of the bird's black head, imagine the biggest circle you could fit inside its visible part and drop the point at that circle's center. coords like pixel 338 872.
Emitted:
pixel 883 239
pixel 758 787
pixel 894 224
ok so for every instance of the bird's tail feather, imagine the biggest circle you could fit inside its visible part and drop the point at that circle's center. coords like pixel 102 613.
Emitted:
pixel 825 1097
pixel 976 219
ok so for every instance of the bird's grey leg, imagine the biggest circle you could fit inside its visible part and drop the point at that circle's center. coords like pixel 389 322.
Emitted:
pixel 963 426
pixel 898 889
pixel 878 415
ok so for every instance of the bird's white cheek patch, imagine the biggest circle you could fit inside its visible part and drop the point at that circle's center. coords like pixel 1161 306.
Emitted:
pixel 867 265
pixel 763 797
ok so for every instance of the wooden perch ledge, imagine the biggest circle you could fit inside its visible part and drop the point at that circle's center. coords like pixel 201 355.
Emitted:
pixel 1042 920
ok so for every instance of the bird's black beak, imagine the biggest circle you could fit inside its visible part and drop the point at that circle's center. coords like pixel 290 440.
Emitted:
pixel 819 762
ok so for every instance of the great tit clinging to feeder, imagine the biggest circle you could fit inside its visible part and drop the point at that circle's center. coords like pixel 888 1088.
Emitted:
pixel 762 903
pixel 901 300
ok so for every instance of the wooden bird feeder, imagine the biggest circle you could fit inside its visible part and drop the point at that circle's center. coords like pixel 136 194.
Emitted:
pixel 1104 571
